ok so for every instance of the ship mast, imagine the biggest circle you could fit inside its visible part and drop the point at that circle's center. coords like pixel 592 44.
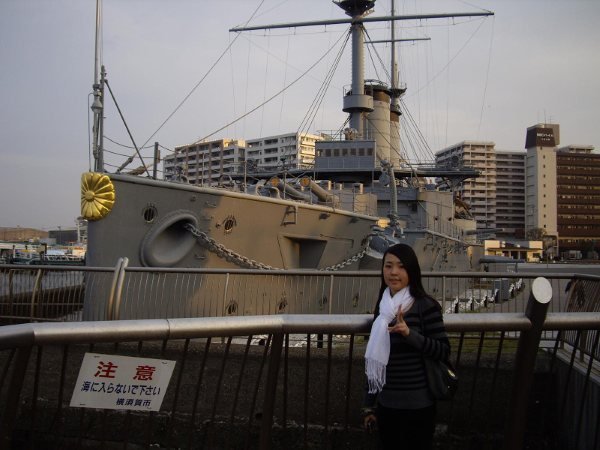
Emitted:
pixel 97 105
pixel 356 103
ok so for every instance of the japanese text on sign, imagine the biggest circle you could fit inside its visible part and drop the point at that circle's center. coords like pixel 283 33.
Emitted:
pixel 121 382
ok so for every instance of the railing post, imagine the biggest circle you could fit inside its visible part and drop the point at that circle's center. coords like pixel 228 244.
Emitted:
pixel 119 289
pixel 270 391
pixel 34 294
pixel 529 340
pixel 8 415
pixel 114 298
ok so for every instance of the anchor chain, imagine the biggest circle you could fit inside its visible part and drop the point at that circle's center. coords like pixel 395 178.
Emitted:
pixel 223 252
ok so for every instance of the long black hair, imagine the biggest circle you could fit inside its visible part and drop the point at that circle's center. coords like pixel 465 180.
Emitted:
pixel 409 260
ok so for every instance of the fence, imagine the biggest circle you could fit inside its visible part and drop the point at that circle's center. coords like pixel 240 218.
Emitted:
pixel 29 293
pixel 296 381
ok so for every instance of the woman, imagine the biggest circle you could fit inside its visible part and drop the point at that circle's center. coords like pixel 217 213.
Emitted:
pixel 397 399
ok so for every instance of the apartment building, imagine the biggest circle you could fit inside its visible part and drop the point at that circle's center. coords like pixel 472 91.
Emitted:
pixel 578 199
pixel 479 193
pixel 209 163
pixel 510 193
pixel 217 162
pixel 282 152
pixel 545 191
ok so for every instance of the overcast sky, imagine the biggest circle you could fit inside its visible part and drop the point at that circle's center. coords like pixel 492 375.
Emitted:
pixel 476 79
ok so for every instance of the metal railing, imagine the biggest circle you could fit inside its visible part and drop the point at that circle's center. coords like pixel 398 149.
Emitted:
pixel 296 381
pixel 31 293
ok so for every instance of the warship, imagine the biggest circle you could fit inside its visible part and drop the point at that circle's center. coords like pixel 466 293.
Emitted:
pixel 360 196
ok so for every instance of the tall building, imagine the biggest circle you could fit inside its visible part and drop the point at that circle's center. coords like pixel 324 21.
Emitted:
pixel 510 194
pixel 205 163
pixel 540 181
pixel 478 193
pixel 214 163
pixel 284 151
pixel 578 199
pixel 545 193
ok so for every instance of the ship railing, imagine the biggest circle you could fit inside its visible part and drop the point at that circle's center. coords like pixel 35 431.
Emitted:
pixel 293 381
pixel 68 293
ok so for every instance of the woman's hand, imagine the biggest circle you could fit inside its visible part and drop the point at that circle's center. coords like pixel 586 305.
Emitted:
pixel 400 325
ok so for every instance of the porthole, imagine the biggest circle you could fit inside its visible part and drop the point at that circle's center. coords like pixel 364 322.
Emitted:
pixel 150 212
pixel 231 308
pixel 228 224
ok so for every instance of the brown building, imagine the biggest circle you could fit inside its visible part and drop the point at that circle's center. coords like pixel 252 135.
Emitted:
pixel 18 234
pixel 578 199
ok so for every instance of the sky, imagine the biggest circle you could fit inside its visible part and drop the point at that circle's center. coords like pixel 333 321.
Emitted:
pixel 486 79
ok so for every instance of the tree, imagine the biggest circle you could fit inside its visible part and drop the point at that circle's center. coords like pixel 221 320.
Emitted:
pixel 536 234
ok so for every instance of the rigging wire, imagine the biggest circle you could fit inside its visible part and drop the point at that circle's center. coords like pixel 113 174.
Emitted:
pixel 125 146
pixel 287 52
pixel 277 94
pixel 487 76
pixel 313 109
pixel 137 151
pixel 89 121
pixel 115 153
pixel 166 148
pixel 232 73
pixel 371 49
pixel 266 78
pixel 450 61
pixel 411 125
pixel 246 90
pixel 202 79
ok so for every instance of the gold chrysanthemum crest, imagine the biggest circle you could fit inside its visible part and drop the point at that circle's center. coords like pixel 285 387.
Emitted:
pixel 97 195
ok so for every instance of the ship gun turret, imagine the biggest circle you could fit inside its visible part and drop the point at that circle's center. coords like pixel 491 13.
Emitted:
pixel 323 195
pixel 288 189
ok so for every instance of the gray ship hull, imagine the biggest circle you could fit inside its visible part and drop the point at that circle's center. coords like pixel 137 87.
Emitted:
pixel 150 223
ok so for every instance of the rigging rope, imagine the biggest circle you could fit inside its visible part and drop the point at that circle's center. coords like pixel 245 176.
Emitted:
pixel 262 112
pixel 313 109
pixel 450 61
pixel 371 49
pixel 202 79
pixel 277 94
pixel 487 76
pixel 287 52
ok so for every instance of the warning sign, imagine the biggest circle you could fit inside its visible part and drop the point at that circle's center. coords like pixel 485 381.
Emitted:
pixel 122 382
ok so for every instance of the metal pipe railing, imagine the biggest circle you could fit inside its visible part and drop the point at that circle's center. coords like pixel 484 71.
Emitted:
pixel 144 293
pixel 23 338
pixel 576 331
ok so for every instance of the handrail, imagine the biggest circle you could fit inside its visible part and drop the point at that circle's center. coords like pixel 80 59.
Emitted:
pixel 28 334
pixel 25 337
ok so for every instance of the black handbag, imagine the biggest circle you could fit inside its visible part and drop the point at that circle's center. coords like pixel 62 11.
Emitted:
pixel 442 378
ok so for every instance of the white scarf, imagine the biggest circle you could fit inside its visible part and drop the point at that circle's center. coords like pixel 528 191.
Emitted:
pixel 378 347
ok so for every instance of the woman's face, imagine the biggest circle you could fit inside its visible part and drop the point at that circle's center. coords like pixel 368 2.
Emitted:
pixel 394 274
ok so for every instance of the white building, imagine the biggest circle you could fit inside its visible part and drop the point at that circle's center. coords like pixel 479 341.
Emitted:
pixel 497 196
pixel 540 176
pixel 205 163
pixel 283 151
pixel 479 193
pixel 214 163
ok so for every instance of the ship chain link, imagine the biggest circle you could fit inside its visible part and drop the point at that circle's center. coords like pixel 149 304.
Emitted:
pixel 223 252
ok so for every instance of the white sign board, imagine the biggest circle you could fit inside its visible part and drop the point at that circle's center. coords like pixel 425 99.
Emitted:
pixel 122 382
